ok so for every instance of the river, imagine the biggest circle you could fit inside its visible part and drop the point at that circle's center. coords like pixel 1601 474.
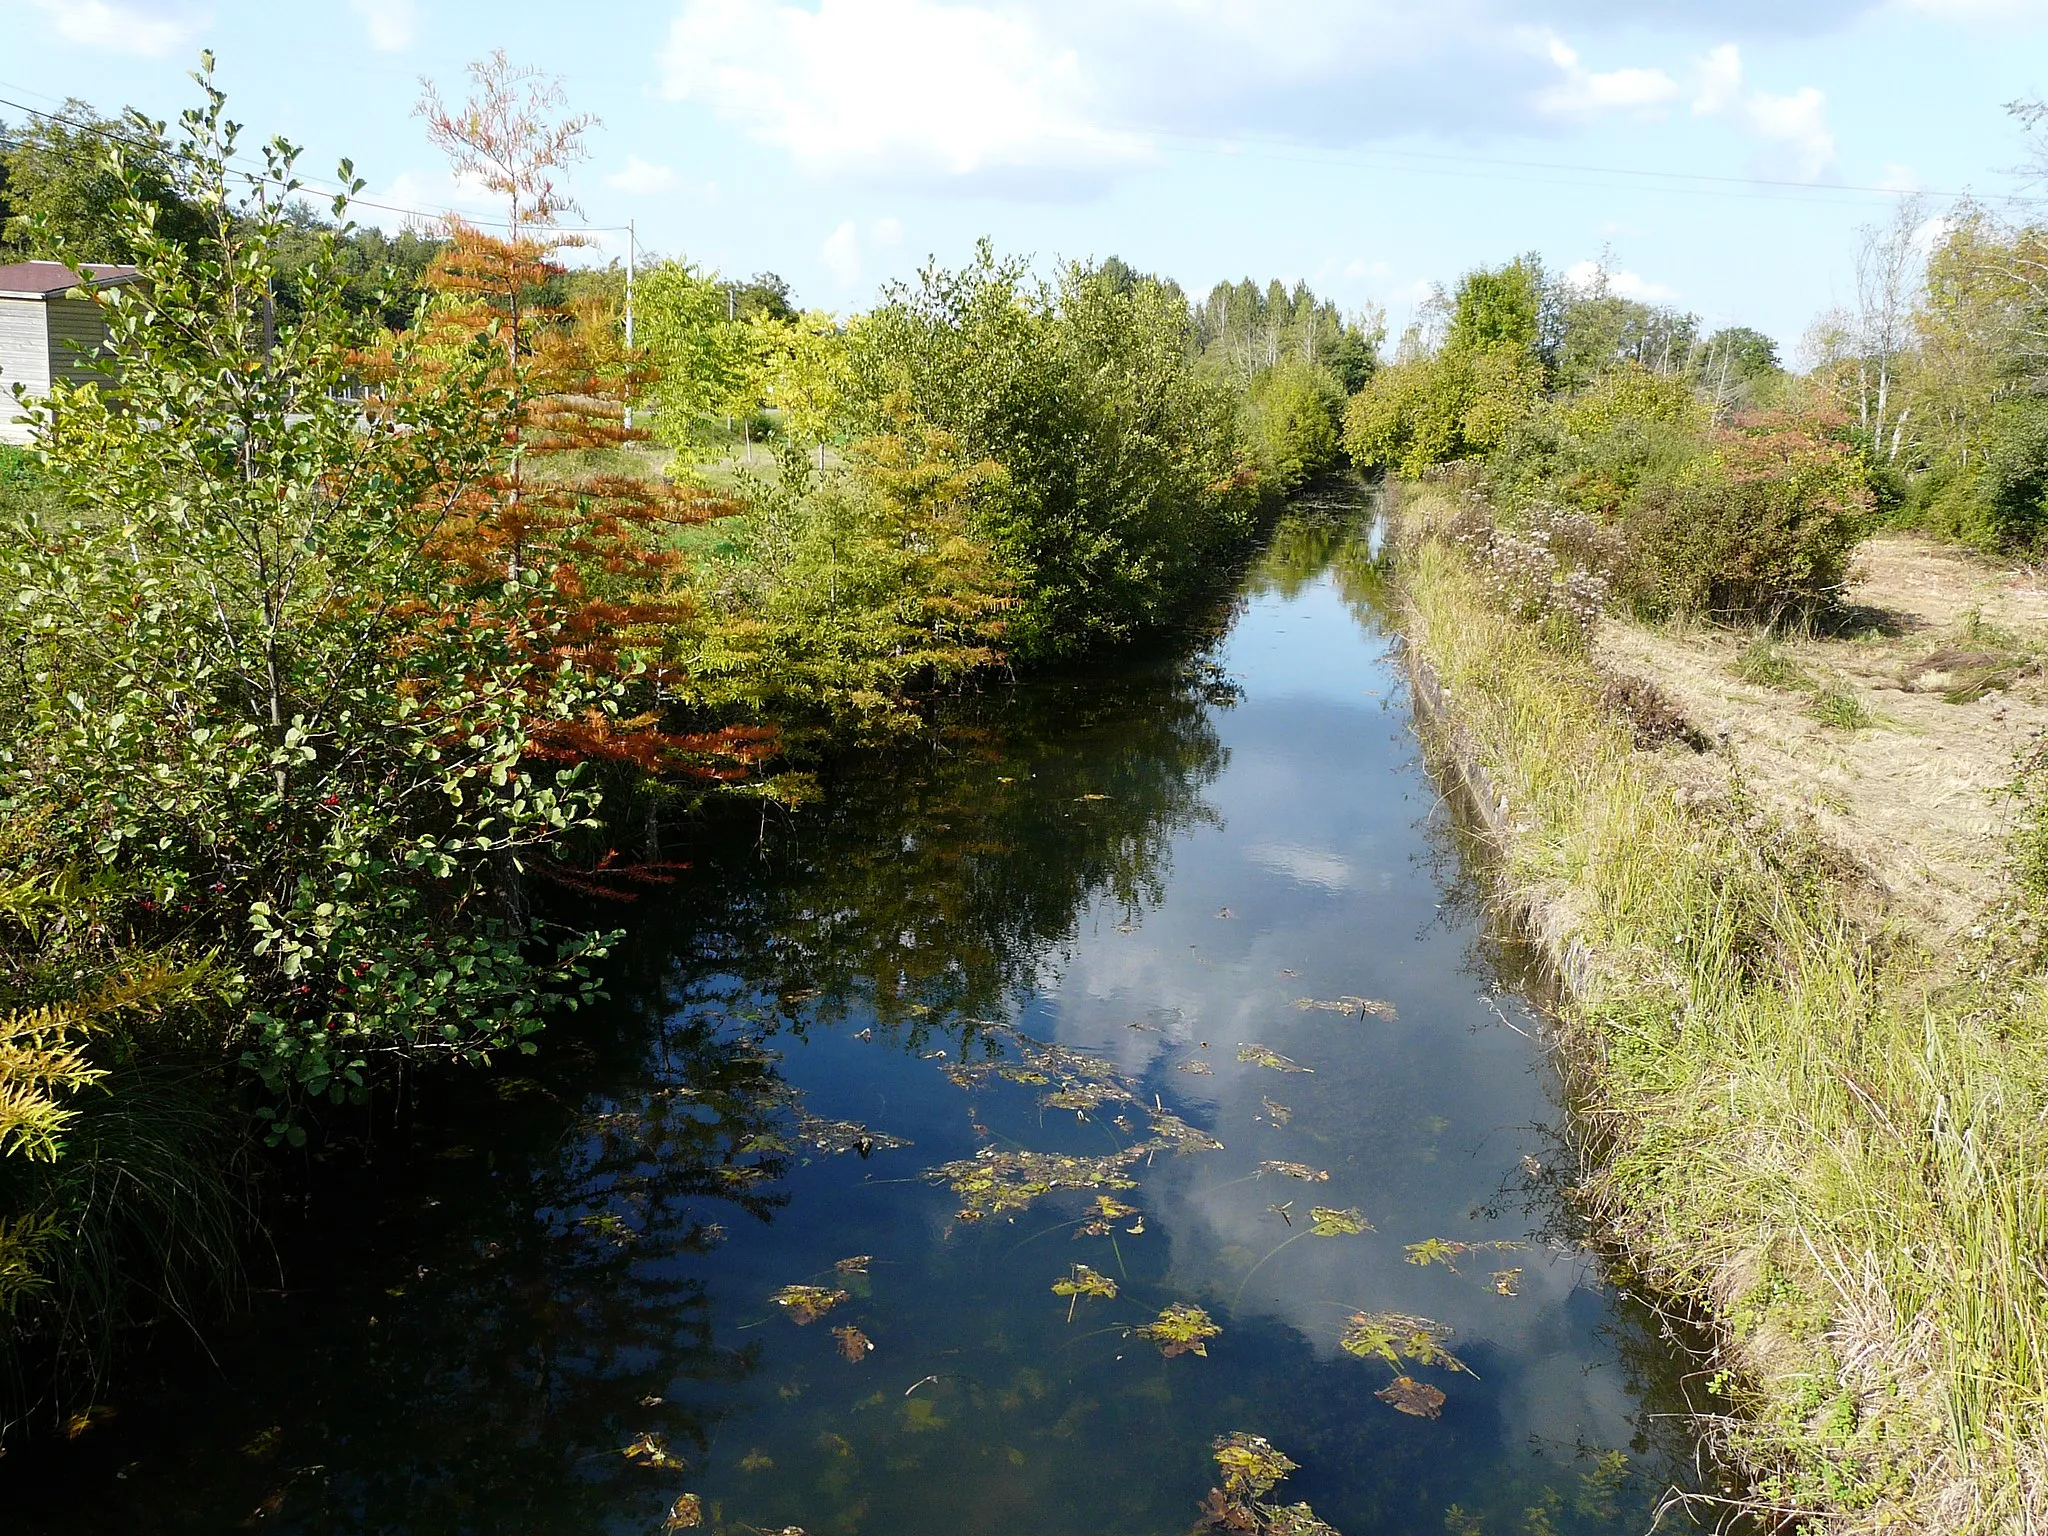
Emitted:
pixel 1178 973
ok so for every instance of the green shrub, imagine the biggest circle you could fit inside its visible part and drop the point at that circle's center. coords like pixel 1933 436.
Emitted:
pixel 1291 417
pixel 1759 526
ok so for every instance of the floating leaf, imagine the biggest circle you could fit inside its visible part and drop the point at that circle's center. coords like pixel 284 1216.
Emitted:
pixel 1507 1282
pixel 1279 1114
pixel 1348 1222
pixel 1259 1055
pixel 857 1265
pixel 1170 1131
pixel 1079 1081
pixel 651 1451
pixel 835 1138
pixel 1300 1171
pixel 1180 1330
pixel 686 1514
pixel 1250 1465
pixel 853 1344
pixel 1107 1209
pixel 1083 1281
pixel 807 1303
pixel 1436 1250
pixel 995 1183
pixel 1397 1336
pixel 1360 1006
pixel 1200 1068
pixel 1412 1397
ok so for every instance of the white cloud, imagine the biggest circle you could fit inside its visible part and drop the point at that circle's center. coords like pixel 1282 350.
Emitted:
pixel 1585 93
pixel 1592 276
pixel 638 178
pixel 392 23
pixel 1795 123
pixel 895 85
pixel 150 30
pixel 847 249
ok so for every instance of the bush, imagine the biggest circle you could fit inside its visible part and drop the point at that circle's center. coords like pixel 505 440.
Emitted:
pixel 1760 525
pixel 1593 451
pixel 1292 416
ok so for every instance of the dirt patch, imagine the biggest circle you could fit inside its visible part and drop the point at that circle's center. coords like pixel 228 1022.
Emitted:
pixel 1896 734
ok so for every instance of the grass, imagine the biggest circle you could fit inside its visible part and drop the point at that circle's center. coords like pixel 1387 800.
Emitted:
pixel 1836 1151
pixel 1841 708
pixel 1764 662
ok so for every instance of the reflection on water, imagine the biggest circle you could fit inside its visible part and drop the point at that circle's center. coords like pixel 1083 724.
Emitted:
pixel 1125 995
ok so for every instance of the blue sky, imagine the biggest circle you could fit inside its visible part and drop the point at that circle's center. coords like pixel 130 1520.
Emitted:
pixel 1721 156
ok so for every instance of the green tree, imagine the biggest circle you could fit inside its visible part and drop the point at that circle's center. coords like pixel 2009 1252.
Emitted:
pixel 1292 419
pixel 247 689
pixel 1497 307
pixel 64 200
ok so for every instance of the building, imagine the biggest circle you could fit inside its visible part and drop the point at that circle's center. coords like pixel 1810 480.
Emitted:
pixel 45 333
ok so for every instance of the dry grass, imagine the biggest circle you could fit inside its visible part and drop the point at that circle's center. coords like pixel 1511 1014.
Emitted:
pixel 1847 1169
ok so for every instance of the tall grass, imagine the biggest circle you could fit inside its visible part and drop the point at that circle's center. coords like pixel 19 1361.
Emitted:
pixel 1804 1128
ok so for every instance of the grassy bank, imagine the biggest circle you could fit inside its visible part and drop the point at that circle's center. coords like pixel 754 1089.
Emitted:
pixel 1809 1130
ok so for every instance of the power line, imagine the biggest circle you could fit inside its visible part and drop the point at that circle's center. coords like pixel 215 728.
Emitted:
pixel 249 170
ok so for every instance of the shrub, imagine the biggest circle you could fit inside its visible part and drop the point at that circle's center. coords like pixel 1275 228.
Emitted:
pixel 1292 415
pixel 1760 525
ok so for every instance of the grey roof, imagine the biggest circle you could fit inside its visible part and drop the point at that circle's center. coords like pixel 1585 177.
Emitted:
pixel 52 279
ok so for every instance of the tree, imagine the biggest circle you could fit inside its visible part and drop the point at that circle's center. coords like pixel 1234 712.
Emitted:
pixel 1888 276
pixel 602 544
pixel 249 691
pixel 1497 307
pixel 63 200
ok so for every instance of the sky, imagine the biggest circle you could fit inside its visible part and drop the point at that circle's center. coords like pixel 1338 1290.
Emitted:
pixel 1720 156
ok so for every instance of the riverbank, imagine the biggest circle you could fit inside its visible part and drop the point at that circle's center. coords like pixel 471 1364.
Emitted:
pixel 1804 1118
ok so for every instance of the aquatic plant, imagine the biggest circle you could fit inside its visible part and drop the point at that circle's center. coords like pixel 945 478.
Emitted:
pixel 853 1344
pixel 805 1304
pixel 1300 1171
pixel 1407 1395
pixel 1361 1006
pixel 1180 1329
pixel 999 1183
pixel 1348 1222
pixel 1251 1467
pixel 686 1514
pixel 1083 1281
pixel 1263 1056
pixel 1399 1336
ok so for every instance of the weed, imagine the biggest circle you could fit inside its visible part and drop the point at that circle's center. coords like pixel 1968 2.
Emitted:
pixel 1838 707
pixel 1764 662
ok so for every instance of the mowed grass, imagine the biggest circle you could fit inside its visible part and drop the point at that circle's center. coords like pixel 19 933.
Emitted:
pixel 1791 1125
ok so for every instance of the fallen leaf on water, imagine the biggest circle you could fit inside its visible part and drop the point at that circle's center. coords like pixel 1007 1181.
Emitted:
pixel 1225 912
pixel 853 1344
pixel 1259 1055
pixel 1412 1397
pixel 686 1514
pixel 1180 1330
pixel 1199 1068
pixel 651 1451
pixel 1507 1282
pixel 807 1303
pixel 652 1401
pixel 1300 1171
pixel 1290 973
pixel 857 1265
pixel 835 1138
pixel 1282 1212
pixel 1279 1114
pixel 1090 797
pixel 1330 1222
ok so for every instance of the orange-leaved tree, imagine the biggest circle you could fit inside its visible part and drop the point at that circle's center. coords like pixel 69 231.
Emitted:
pixel 604 541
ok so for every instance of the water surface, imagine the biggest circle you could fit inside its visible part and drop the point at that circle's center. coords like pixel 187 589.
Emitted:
pixel 560 1315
